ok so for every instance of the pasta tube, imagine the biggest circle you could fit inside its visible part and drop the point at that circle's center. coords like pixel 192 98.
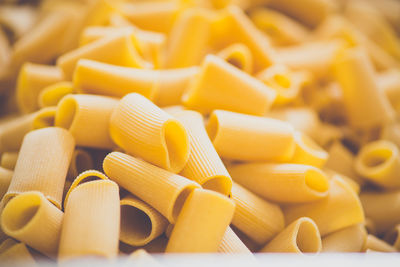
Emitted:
pixel 32 79
pixel 33 220
pixel 238 55
pixel 392 237
pixel 265 139
pixel 301 236
pixel 6 244
pixel 376 244
pixel 81 161
pixel 349 239
pixel 204 165
pixel 52 94
pixel 91 221
pixel 379 162
pixel 340 209
pixel 140 223
pixel 141 258
pixel 285 183
pixel 43 118
pixel 259 219
pixel 5 180
pixel 8 160
pixel 201 225
pixel 365 104
pixel 163 190
pixel 12 132
pixel 80 114
pixel 219 85
pixel 389 83
pixel 142 129
pixel 42 164
pixel 232 244
pixel 17 254
pixel 391 132
pixel 116 49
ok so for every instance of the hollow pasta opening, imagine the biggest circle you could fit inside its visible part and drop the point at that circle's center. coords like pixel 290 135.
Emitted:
pixel 377 157
pixel 136 225
pixel 307 238
pixel 177 143
pixel 316 180
pixel 212 126
pixel 220 183
pixel 282 81
pixel 66 111
pixel 180 200
pixel 20 211
pixel 44 119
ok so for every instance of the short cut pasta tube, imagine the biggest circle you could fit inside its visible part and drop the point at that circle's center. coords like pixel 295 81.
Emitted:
pixel 9 159
pixel 5 180
pixel 91 221
pixel 238 55
pixel 52 94
pixel 81 114
pixel 375 244
pixel 202 223
pixel 142 129
pixel 231 244
pixel 42 164
pixel 301 236
pixel 259 219
pixel 33 220
pixel 140 223
pixel 379 162
pixel 17 254
pixel 340 209
pixel 43 118
pixel 219 85
pixel 12 132
pixel 163 190
pixel 265 139
pixel 285 183
pixel 349 239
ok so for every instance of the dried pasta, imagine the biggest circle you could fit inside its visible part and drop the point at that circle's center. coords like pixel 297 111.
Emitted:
pixel 5 180
pixel 238 55
pixel 232 244
pixel 308 152
pixel 52 94
pixel 43 118
pixel 349 239
pixel 8 160
pixel 17 253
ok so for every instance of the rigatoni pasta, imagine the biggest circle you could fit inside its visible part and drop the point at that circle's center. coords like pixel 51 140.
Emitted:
pixel 238 55
pixel 8 160
pixel 308 152
pixel 52 94
pixel 349 239
pixel 232 244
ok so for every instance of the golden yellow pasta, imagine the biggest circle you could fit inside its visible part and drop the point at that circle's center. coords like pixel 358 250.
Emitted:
pixel 219 85
pixel 301 236
pixel 140 223
pixel 43 118
pixel 12 132
pixel 204 165
pixel 9 159
pixel 389 82
pixel 265 139
pixel 391 132
pixel 81 114
pixel 285 183
pixel 353 184
pixel 365 104
pixel 308 152
pixel 81 161
pixel 17 254
pixel 349 239
pixel 376 244
pixel 52 94
pixel 392 237
pixel 142 129
pixel 259 219
pixel 91 221
pixel 202 222
pixel 238 55
pixel 379 162
pixel 32 79
pixel 42 164
pixel 5 180
pixel 232 244
pixel 163 190
pixel 6 244
pixel 32 219
pixel 340 209
pixel 141 258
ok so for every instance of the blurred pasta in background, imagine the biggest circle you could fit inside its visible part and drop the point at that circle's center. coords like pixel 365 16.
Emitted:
pixel 132 127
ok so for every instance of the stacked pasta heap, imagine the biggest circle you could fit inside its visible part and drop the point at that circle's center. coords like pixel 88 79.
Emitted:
pixel 202 126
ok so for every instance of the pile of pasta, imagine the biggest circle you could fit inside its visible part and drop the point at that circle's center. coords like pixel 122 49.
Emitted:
pixel 186 126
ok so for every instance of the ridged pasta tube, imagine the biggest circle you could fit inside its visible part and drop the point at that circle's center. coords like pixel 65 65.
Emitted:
pixel 202 223
pixel 238 55
pixel 375 244
pixel 163 190
pixel 285 183
pixel 81 114
pixel 32 219
pixel 91 221
pixel 349 239
pixel 265 139
pixel 144 130
pixel 42 164
pixel 12 132
pixel 231 244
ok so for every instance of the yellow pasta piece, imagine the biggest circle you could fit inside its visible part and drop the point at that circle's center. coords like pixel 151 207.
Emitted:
pixel 32 79
pixel 6 244
pixel 81 114
pixel 201 225
pixel 163 190
pixel 5 180
pixel 238 55
pixel 391 132
pixel 141 258
pixel 382 208
pixel 17 254
pixel 84 177
pixel 259 219
pixel 389 83
pixel 81 161
pixel 32 219
pixel 392 237
pixel 142 129
pixel 365 104
pixel 301 236
pixel 204 165
pixel 376 244
pixel 349 239
pixel 379 162
pixel 8 160
pixel 91 221
pixel 231 244
pixel 140 223
pixel 353 184
pixel 286 183
pixel 252 246
pixel 42 164
pixel 340 209
pixel 13 131
pixel 265 139
pixel 308 152
pixel 117 49
pixel 45 117
pixel 219 85
pixel 52 94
